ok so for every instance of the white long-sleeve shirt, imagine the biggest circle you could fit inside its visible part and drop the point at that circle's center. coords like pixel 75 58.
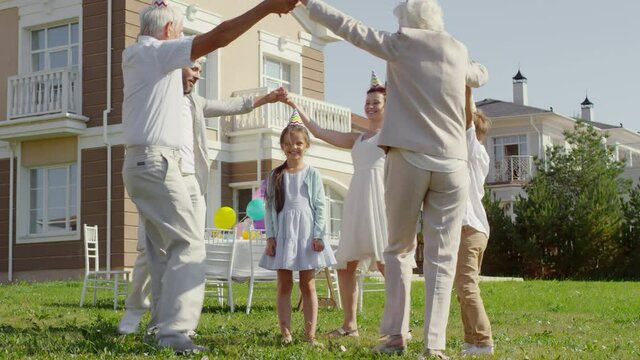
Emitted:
pixel 478 163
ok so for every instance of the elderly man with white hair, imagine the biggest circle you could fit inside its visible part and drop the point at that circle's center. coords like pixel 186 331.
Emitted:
pixel 426 164
pixel 152 125
pixel 195 166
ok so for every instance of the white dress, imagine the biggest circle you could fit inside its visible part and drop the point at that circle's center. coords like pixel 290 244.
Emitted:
pixel 363 235
pixel 294 250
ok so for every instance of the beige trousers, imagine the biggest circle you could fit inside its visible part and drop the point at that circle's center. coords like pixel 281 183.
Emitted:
pixel 477 329
pixel 442 197
pixel 153 180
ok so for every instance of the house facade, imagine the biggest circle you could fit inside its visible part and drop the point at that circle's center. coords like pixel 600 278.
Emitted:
pixel 61 143
pixel 521 132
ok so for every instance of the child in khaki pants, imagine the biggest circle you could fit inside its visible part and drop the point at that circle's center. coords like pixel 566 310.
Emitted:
pixel 475 234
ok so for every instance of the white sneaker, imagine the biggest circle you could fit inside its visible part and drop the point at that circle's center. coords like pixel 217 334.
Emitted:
pixel 477 350
pixel 129 322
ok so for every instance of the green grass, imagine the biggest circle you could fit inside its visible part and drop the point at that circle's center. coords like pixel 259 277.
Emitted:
pixel 533 319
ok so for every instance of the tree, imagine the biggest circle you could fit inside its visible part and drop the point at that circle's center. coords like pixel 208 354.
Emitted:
pixel 570 220
pixel 502 256
pixel 629 262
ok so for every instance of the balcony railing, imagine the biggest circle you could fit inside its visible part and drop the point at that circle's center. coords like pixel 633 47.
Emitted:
pixel 43 92
pixel 276 115
pixel 512 169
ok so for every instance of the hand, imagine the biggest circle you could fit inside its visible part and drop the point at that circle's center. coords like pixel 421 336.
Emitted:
pixel 318 245
pixel 270 249
pixel 280 94
pixel 280 6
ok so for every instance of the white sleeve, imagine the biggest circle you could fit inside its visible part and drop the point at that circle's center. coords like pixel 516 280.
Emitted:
pixel 174 54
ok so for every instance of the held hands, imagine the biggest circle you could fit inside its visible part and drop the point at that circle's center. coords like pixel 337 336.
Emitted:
pixel 317 245
pixel 270 249
pixel 280 94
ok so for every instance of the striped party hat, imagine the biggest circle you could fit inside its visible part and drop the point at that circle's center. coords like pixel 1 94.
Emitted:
pixel 295 119
pixel 375 82
pixel 160 3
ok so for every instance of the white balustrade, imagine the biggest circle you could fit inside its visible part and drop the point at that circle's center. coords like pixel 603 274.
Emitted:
pixel 43 92
pixel 276 115
pixel 517 168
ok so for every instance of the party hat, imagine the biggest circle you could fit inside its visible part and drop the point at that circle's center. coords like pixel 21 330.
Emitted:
pixel 160 3
pixel 375 82
pixel 295 119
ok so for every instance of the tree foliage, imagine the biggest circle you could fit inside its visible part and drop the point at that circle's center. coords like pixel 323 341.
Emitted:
pixel 569 223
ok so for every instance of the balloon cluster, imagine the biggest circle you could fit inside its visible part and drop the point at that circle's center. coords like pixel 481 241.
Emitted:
pixel 225 217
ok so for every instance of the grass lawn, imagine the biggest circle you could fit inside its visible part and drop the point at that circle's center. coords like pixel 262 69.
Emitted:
pixel 531 320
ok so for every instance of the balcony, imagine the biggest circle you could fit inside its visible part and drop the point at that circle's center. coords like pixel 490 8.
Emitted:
pixel 43 104
pixel 512 169
pixel 276 115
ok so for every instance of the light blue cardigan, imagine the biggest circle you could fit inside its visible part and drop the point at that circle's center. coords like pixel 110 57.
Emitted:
pixel 313 180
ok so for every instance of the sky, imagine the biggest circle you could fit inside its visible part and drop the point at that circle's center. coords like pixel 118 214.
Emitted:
pixel 567 49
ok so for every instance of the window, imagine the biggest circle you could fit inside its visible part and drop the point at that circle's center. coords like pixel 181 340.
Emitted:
pixel 53 199
pixel 242 199
pixel 276 74
pixel 335 203
pixel 506 146
pixel 55 47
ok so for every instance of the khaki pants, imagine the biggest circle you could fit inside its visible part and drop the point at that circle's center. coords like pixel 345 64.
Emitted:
pixel 477 329
pixel 442 197
pixel 153 180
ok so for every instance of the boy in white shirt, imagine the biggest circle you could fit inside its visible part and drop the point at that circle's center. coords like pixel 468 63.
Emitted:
pixel 475 234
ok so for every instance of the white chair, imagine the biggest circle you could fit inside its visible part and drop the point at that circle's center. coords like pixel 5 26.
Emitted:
pixel 220 247
pixel 96 278
pixel 368 281
pixel 259 276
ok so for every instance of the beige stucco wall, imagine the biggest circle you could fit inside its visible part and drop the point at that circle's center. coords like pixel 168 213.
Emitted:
pixel 240 61
pixel 9 55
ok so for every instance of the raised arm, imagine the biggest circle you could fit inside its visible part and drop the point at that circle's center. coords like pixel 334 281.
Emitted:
pixel 468 106
pixel 230 30
pixel 378 43
pixel 335 138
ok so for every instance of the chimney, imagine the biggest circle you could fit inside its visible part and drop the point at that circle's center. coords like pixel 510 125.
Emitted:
pixel 520 89
pixel 587 110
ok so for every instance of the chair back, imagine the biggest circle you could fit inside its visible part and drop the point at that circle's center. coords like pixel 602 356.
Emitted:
pixel 220 246
pixel 257 244
pixel 91 249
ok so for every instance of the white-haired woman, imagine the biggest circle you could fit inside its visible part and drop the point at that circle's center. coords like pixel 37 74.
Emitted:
pixel 424 136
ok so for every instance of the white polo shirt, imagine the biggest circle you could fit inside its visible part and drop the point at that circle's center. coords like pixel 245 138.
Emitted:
pixel 153 95
pixel 478 162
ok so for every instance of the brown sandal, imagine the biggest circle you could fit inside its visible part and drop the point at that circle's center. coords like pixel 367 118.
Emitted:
pixel 340 332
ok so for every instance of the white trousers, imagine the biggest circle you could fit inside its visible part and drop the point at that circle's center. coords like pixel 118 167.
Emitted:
pixel 153 180
pixel 140 289
pixel 443 198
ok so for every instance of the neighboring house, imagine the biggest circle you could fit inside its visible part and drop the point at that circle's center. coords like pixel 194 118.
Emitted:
pixel 60 166
pixel 521 132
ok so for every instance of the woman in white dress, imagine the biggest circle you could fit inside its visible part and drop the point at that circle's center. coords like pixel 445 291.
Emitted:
pixel 363 235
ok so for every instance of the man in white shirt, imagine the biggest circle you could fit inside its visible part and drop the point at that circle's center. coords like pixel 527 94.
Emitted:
pixel 151 171
pixel 194 166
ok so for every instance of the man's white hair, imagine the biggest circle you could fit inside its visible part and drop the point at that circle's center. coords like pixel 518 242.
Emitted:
pixel 420 14
pixel 154 18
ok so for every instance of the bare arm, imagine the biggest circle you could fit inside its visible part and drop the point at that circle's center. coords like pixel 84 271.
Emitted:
pixel 335 138
pixel 230 30
pixel 468 106
pixel 279 94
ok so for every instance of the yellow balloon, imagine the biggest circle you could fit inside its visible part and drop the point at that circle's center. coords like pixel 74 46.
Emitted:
pixel 224 218
pixel 245 235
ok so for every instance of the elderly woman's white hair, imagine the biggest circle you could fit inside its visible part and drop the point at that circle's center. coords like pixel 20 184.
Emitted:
pixel 420 14
pixel 154 18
